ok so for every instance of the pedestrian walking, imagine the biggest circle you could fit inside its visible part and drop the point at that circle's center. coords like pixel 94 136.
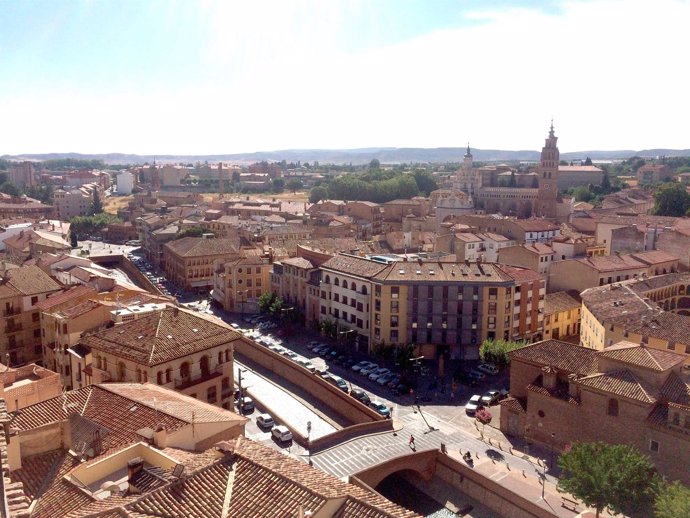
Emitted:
pixel 412 442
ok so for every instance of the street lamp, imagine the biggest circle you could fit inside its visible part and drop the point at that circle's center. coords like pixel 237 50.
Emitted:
pixel 553 441
pixel 309 441
pixel 239 390
pixel 241 302
pixel 543 478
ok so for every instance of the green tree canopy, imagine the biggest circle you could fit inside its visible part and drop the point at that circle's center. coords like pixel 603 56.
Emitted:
pixel 672 501
pixel 496 351
pixel 9 188
pixel 85 225
pixel 317 194
pixel 671 199
pixel 294 184
pixel 97 204
pixel 615 476
pixel 191 232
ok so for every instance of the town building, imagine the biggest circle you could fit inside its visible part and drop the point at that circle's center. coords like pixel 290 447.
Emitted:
pixel 82 177
pixel 75 201
pixel 174 348
pixel 561 316
pixel 289 280
pixel 23 207
pixel 125 183
pixel 655 311
pixel 189 261
pixel 571 176
pixel 521 230
pixel 563 393
pixel 32 243
pixel 27 385
pixel 238 284
pixel 580 274
pixel 22 174
pixel 654 173
pixel 536 256
pixel 21 289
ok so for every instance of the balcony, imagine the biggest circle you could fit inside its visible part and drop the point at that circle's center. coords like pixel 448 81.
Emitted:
pixel 11 312
pixel 13 329
pixel 190 381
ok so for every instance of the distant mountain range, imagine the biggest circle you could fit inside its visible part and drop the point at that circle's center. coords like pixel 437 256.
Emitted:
pixel 358 156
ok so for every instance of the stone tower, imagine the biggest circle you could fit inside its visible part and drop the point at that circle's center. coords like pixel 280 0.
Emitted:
pixel 548 177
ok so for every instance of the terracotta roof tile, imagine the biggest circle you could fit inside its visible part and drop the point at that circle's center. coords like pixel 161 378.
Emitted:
pixel 56 299
pixel 642 356
pixel 677 389
pixel 199 246
pixel 353 265
pixel 564 356
pixel 558 302
pixel 161 337
pixel 31 280
pixel 622 383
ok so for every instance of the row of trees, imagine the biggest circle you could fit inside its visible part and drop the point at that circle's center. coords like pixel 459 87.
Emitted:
pixel 377 187
pixel 671 199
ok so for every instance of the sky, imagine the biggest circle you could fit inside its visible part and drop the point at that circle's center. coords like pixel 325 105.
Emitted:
pixel 192 77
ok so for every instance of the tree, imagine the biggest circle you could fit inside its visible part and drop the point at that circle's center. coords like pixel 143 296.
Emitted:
pixel 605 182
pixel 276 306
pixel 294 184
pixel 672 501
pixel 670 199
pixel 9 188
pixel 614 476
pixel 266 301
pixel 278 184
pixel 375 164
pixel 73 239
pixel 190 232
pixel 97 204
pixel 496 351
pixel 317 194
pixel 483 415
pixel 425 182
pixel 588 161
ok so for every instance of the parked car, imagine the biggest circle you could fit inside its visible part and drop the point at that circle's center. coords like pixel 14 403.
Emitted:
pixel 380 408
pixel 376 374
pixel 337 381
pixel 361 365
pixel 476 375
pixel 383 380
pixel 313 345
pixel 474 404
pixel 491 397
pixel 361 396
pixel 281 433
pixel 306 364
pixel 488 368
pixel 265 421
pixel 246 404
pixel 365 371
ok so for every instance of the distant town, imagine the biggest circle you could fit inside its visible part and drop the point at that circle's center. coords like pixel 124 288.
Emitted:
pixel 380 339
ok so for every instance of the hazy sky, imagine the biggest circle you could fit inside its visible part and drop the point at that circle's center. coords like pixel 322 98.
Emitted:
pixel 202 77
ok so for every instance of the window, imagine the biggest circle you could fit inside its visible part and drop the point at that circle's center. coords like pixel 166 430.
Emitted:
pixel 654 446
pixel 34 300
pixel 184 370
pixel 37 333
pixel 35 317
pixel 394 336
pixel 613 407
pixel 395 306
pixel 394 321
pixel 344 284
pixel 211 394
pixel 395 292
pixel 159 377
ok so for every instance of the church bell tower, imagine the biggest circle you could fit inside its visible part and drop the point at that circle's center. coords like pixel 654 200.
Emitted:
pixel 548 177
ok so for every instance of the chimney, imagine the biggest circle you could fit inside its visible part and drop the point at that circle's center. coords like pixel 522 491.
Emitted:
pixel 573 389
pixel 176 311
pixel 134 467
pixel 160 437
pixel 549 377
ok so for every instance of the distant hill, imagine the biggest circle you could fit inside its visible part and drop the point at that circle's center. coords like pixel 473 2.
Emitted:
pixel 358 156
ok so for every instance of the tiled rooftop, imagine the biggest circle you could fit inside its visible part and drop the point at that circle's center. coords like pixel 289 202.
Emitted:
pixel 642 356
pixel 31 280
pixel 59 298
pixel 353 265
pixel 562 355
pixel 611 263
pixel 162 336
pixel 622 383
pixel 199 246
pixel 558 302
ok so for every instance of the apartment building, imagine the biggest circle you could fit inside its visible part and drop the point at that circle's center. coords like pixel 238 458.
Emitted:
pixel 27 385
pixel 561 315
pixel 289 279
pixel 521 230
pixel 173 348
pixel 189 261
pixel 21 290
pixel 535 256
pixel 72 202
pixel 563 393
pixel 238 284
pixel 22 174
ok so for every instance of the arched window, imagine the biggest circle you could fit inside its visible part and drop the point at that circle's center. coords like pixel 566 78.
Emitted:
pixel 364 289
pixel 336 282
pixel 138 375
pixel 204 365
pixel 184 370
pixel 227 355
pixel 613 407
pixel 345 284
pixel 121 371
pixel 168 375
pixel 159 377
pixel 328 279
pixel 353 287
pixel 220 357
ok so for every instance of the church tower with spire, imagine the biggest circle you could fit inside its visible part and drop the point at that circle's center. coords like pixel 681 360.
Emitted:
pixel 548 177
